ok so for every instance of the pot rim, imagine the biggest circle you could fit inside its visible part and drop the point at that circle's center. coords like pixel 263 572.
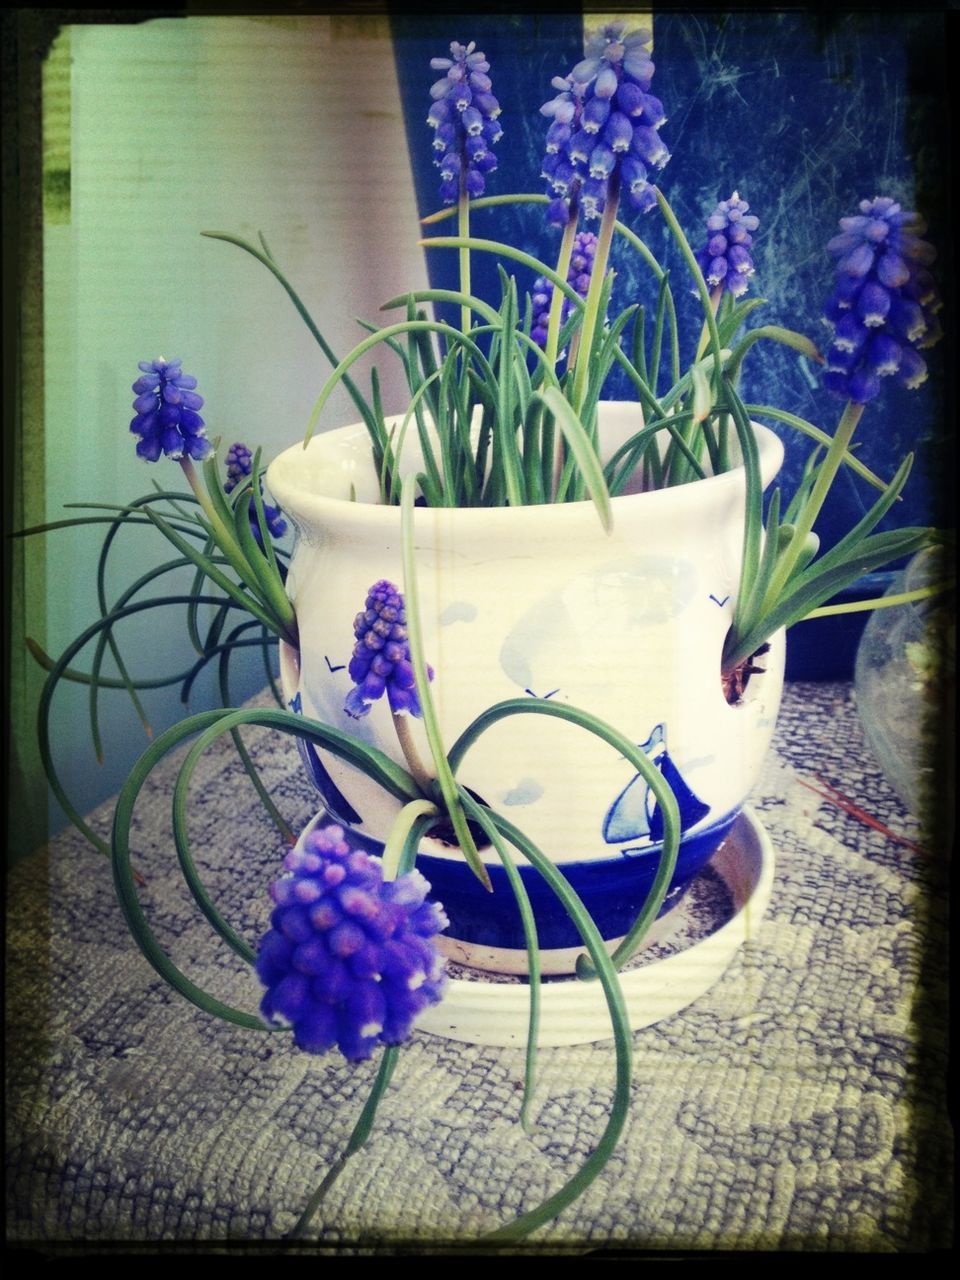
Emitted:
pixel 306 504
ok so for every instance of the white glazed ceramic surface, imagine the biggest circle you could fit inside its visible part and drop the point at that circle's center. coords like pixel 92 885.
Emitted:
pixel 538 602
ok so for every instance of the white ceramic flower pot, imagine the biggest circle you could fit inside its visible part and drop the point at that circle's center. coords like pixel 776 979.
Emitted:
pixel 539 602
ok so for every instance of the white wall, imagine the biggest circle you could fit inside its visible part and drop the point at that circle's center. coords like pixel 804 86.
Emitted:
pixel 287 125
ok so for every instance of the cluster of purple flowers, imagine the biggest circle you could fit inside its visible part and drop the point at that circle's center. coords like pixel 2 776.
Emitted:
pixel 381 656
pixel 349 959
pixel 605 123
pixel 578 276
pixel 464 120
pixel 239 462
pixel 885 301
pixel 167 420
pixel 725 261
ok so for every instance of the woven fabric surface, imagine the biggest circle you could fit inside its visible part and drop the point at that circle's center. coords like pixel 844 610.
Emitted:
pixel 798 1105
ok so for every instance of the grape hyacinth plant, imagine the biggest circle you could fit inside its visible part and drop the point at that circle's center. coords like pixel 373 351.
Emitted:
pixel 350 958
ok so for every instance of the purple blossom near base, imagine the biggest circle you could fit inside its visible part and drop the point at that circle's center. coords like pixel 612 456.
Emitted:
pixel 725 260
pixel 578 277
pixel 604 127
pixel 381 657
pixel 166 407
pixel 884 306
pixel 239 463
pixel 350 959
pixel 464 120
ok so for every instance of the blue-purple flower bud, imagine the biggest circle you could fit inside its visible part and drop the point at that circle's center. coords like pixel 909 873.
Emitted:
pixel 166 413
pixel 884 303
pixel 350 959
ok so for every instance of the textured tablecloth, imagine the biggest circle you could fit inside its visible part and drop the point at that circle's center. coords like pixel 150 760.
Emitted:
pixel 800 1104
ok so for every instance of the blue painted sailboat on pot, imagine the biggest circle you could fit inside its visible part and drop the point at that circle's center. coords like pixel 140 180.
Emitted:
pixel 635 814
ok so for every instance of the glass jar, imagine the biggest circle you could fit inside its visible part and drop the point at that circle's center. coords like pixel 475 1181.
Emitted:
pixel 903 679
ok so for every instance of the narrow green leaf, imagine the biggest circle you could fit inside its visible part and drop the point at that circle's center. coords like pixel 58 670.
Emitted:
pixel 531 942
pixel 821 437
pixel 445 779
pixel 594 1164
pixel 583 452
pixel 453 296
pixel 409 817
pixel 267 260
pixel 382 335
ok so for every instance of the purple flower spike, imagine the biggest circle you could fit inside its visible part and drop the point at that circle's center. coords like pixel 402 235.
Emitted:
pixel 239 462
pixel 604 100
pixel 463 116
pixel 381 657
pixel 578 277
pixel 350 959
pixel 167 420
pixel 884 303
pixel 726 262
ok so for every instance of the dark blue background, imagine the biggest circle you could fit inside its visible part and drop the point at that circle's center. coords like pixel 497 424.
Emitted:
pixel 803 114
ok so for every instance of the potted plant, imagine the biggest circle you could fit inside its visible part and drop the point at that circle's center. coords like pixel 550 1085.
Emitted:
pixel 568 609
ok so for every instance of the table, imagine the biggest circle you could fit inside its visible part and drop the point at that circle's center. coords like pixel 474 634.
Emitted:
pixel 798 1105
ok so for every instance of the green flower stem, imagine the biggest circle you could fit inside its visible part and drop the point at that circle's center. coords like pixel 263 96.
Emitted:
pixel 445 779
pixel 556 301
pixel 716 293
pixel 225 536
pixel 831 465
pixel 357 1139
pixel 691 261
pixel 425 780
pixel 487 202
pixel 553 336
pixel 591 316
pixel 463 230
pixel 883 602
